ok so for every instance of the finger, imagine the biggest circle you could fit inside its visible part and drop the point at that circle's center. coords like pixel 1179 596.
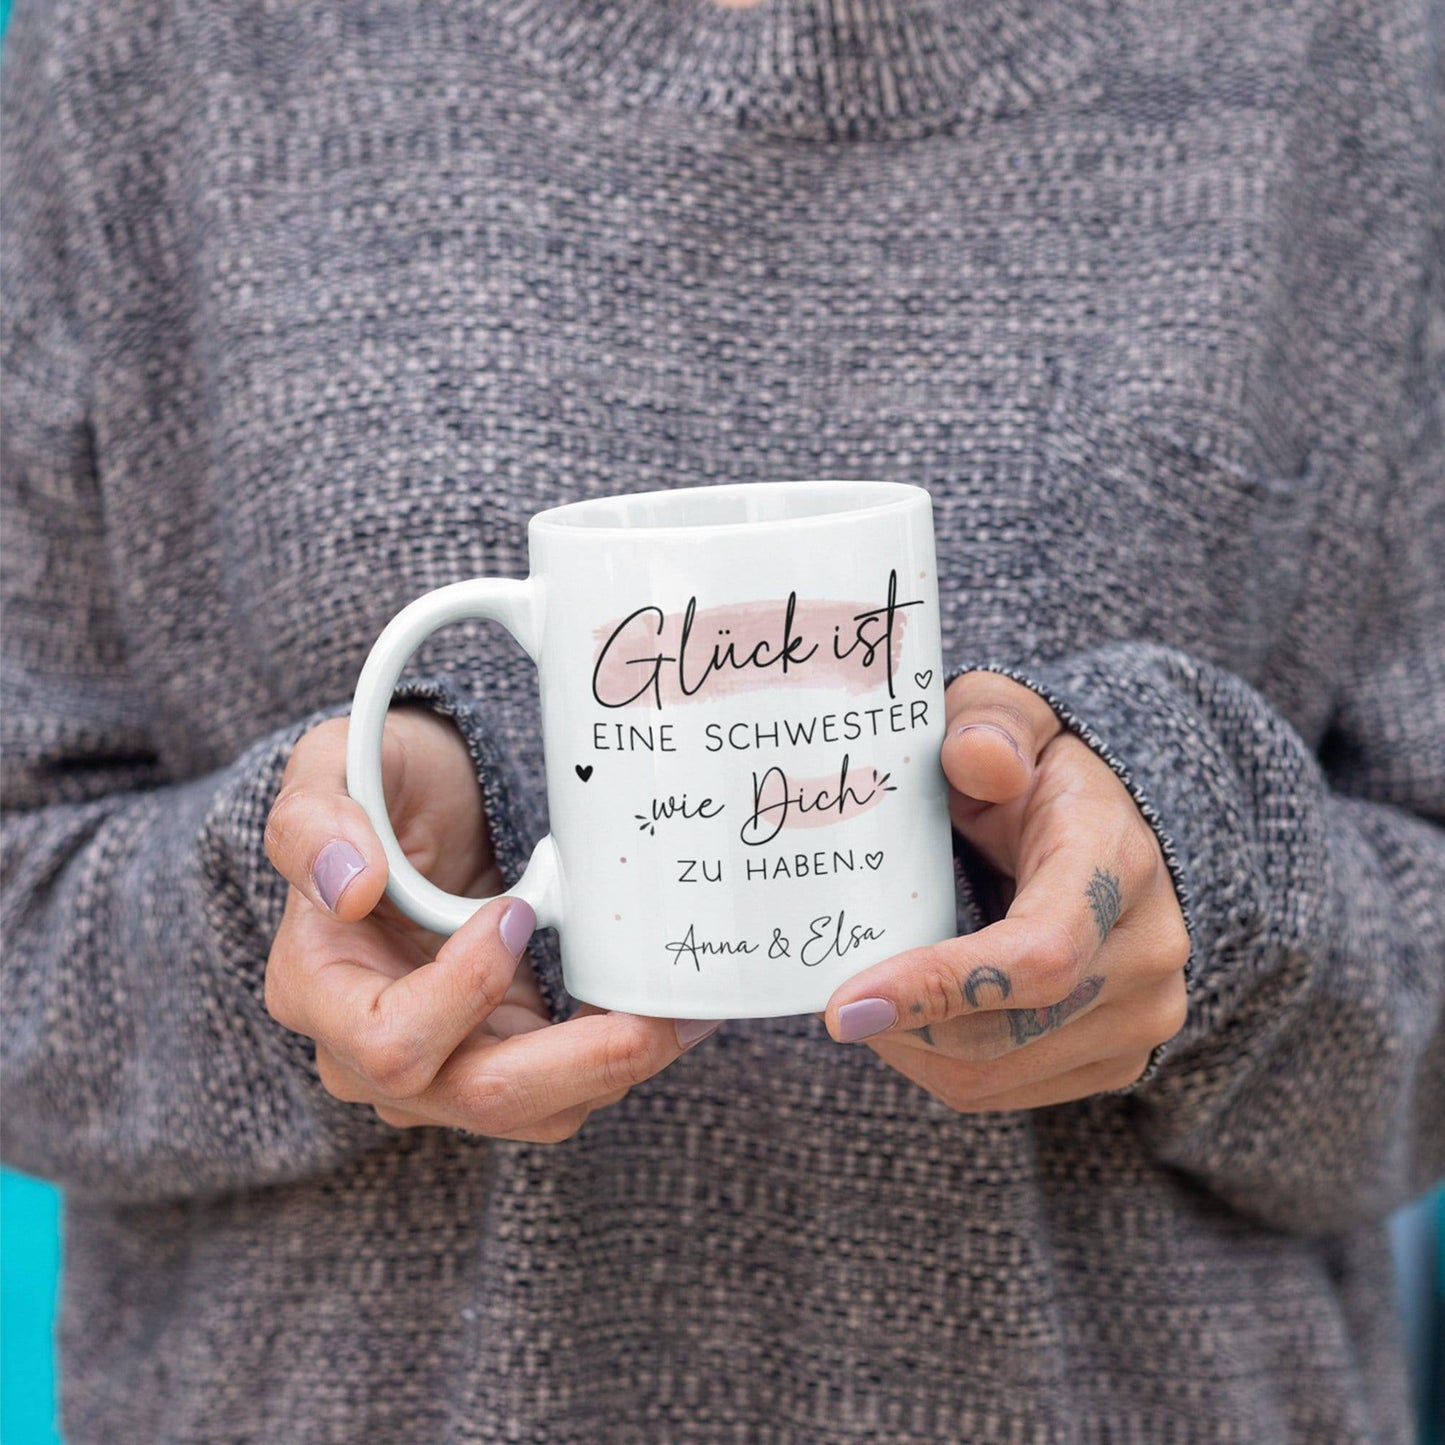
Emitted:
pixel 1085 856
pixel 317 836
pixel 618 1095
pixel 939 1077
pixel 347 1085
pixel 430 1109
pixel 344 1083
pixel 1102 1077
pixel 522 1008
pixel 1015 963
pixel 990 1034
pixel 1119 1031
pixel 996 730
pixel 563 1126
pixel 398 1032
pixel 1070 784
pixel 688 1035
pixel 554 1130
pixel 1139 974
pixel 400 1119
pixel 502 1087
pixel 544 1131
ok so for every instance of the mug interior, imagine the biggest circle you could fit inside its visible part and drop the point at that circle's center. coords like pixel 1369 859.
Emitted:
pixel 736 504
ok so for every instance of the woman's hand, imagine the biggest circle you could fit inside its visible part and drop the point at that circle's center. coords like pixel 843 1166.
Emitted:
pixel 1071 992
pixel 427 1029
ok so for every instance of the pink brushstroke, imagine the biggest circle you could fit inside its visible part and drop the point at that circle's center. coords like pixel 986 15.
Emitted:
pixel 738 631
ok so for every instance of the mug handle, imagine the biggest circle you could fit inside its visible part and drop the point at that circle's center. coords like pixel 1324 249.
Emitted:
pixel 512 603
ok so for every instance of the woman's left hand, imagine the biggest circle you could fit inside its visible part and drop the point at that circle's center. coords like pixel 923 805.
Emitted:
pixel 1070 993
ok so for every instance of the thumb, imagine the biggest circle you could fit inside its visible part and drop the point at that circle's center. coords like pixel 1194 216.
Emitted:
pixel 996 730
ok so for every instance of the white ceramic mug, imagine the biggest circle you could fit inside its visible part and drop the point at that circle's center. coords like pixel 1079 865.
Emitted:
pixel 742 708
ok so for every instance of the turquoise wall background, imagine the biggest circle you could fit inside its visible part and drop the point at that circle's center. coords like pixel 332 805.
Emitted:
pixel 29 1271
pixel 29 1274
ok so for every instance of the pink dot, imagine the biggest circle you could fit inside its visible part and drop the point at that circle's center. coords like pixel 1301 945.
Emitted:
pixel 913 895
pixel 622 860
pixel 923 574
pixel 907 759
pixel 618 916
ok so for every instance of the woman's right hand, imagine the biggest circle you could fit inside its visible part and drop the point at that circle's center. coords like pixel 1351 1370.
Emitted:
pixel 428 1029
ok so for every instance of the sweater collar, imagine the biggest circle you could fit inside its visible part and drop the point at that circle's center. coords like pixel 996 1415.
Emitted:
pixel 816 69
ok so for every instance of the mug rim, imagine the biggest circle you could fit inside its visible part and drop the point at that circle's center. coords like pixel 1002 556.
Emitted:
pixel 871 498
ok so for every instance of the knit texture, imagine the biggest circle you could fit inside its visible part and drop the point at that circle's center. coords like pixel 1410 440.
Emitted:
pixel 308 307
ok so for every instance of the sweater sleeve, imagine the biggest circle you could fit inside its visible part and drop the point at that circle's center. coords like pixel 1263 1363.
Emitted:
pixel 1307 1087
pixel 140 1061
pixel 138 909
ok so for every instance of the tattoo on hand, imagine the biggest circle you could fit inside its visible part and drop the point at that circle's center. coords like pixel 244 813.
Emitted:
pixel 1029 1023
pixel 1104 899
pixel 924 1032
pixel 986 977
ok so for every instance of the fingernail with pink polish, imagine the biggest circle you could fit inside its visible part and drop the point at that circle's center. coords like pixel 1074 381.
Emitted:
pixel 518 924
pixel 991 729
pixel 694 1031
pixel 335 867
pixel 865 1017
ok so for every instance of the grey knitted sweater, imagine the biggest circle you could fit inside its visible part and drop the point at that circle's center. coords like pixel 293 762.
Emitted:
pixel 308 306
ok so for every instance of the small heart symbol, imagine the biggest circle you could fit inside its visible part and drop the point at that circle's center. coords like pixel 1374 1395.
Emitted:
pixel 923 678
pixel 873 860
pixel 584 773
